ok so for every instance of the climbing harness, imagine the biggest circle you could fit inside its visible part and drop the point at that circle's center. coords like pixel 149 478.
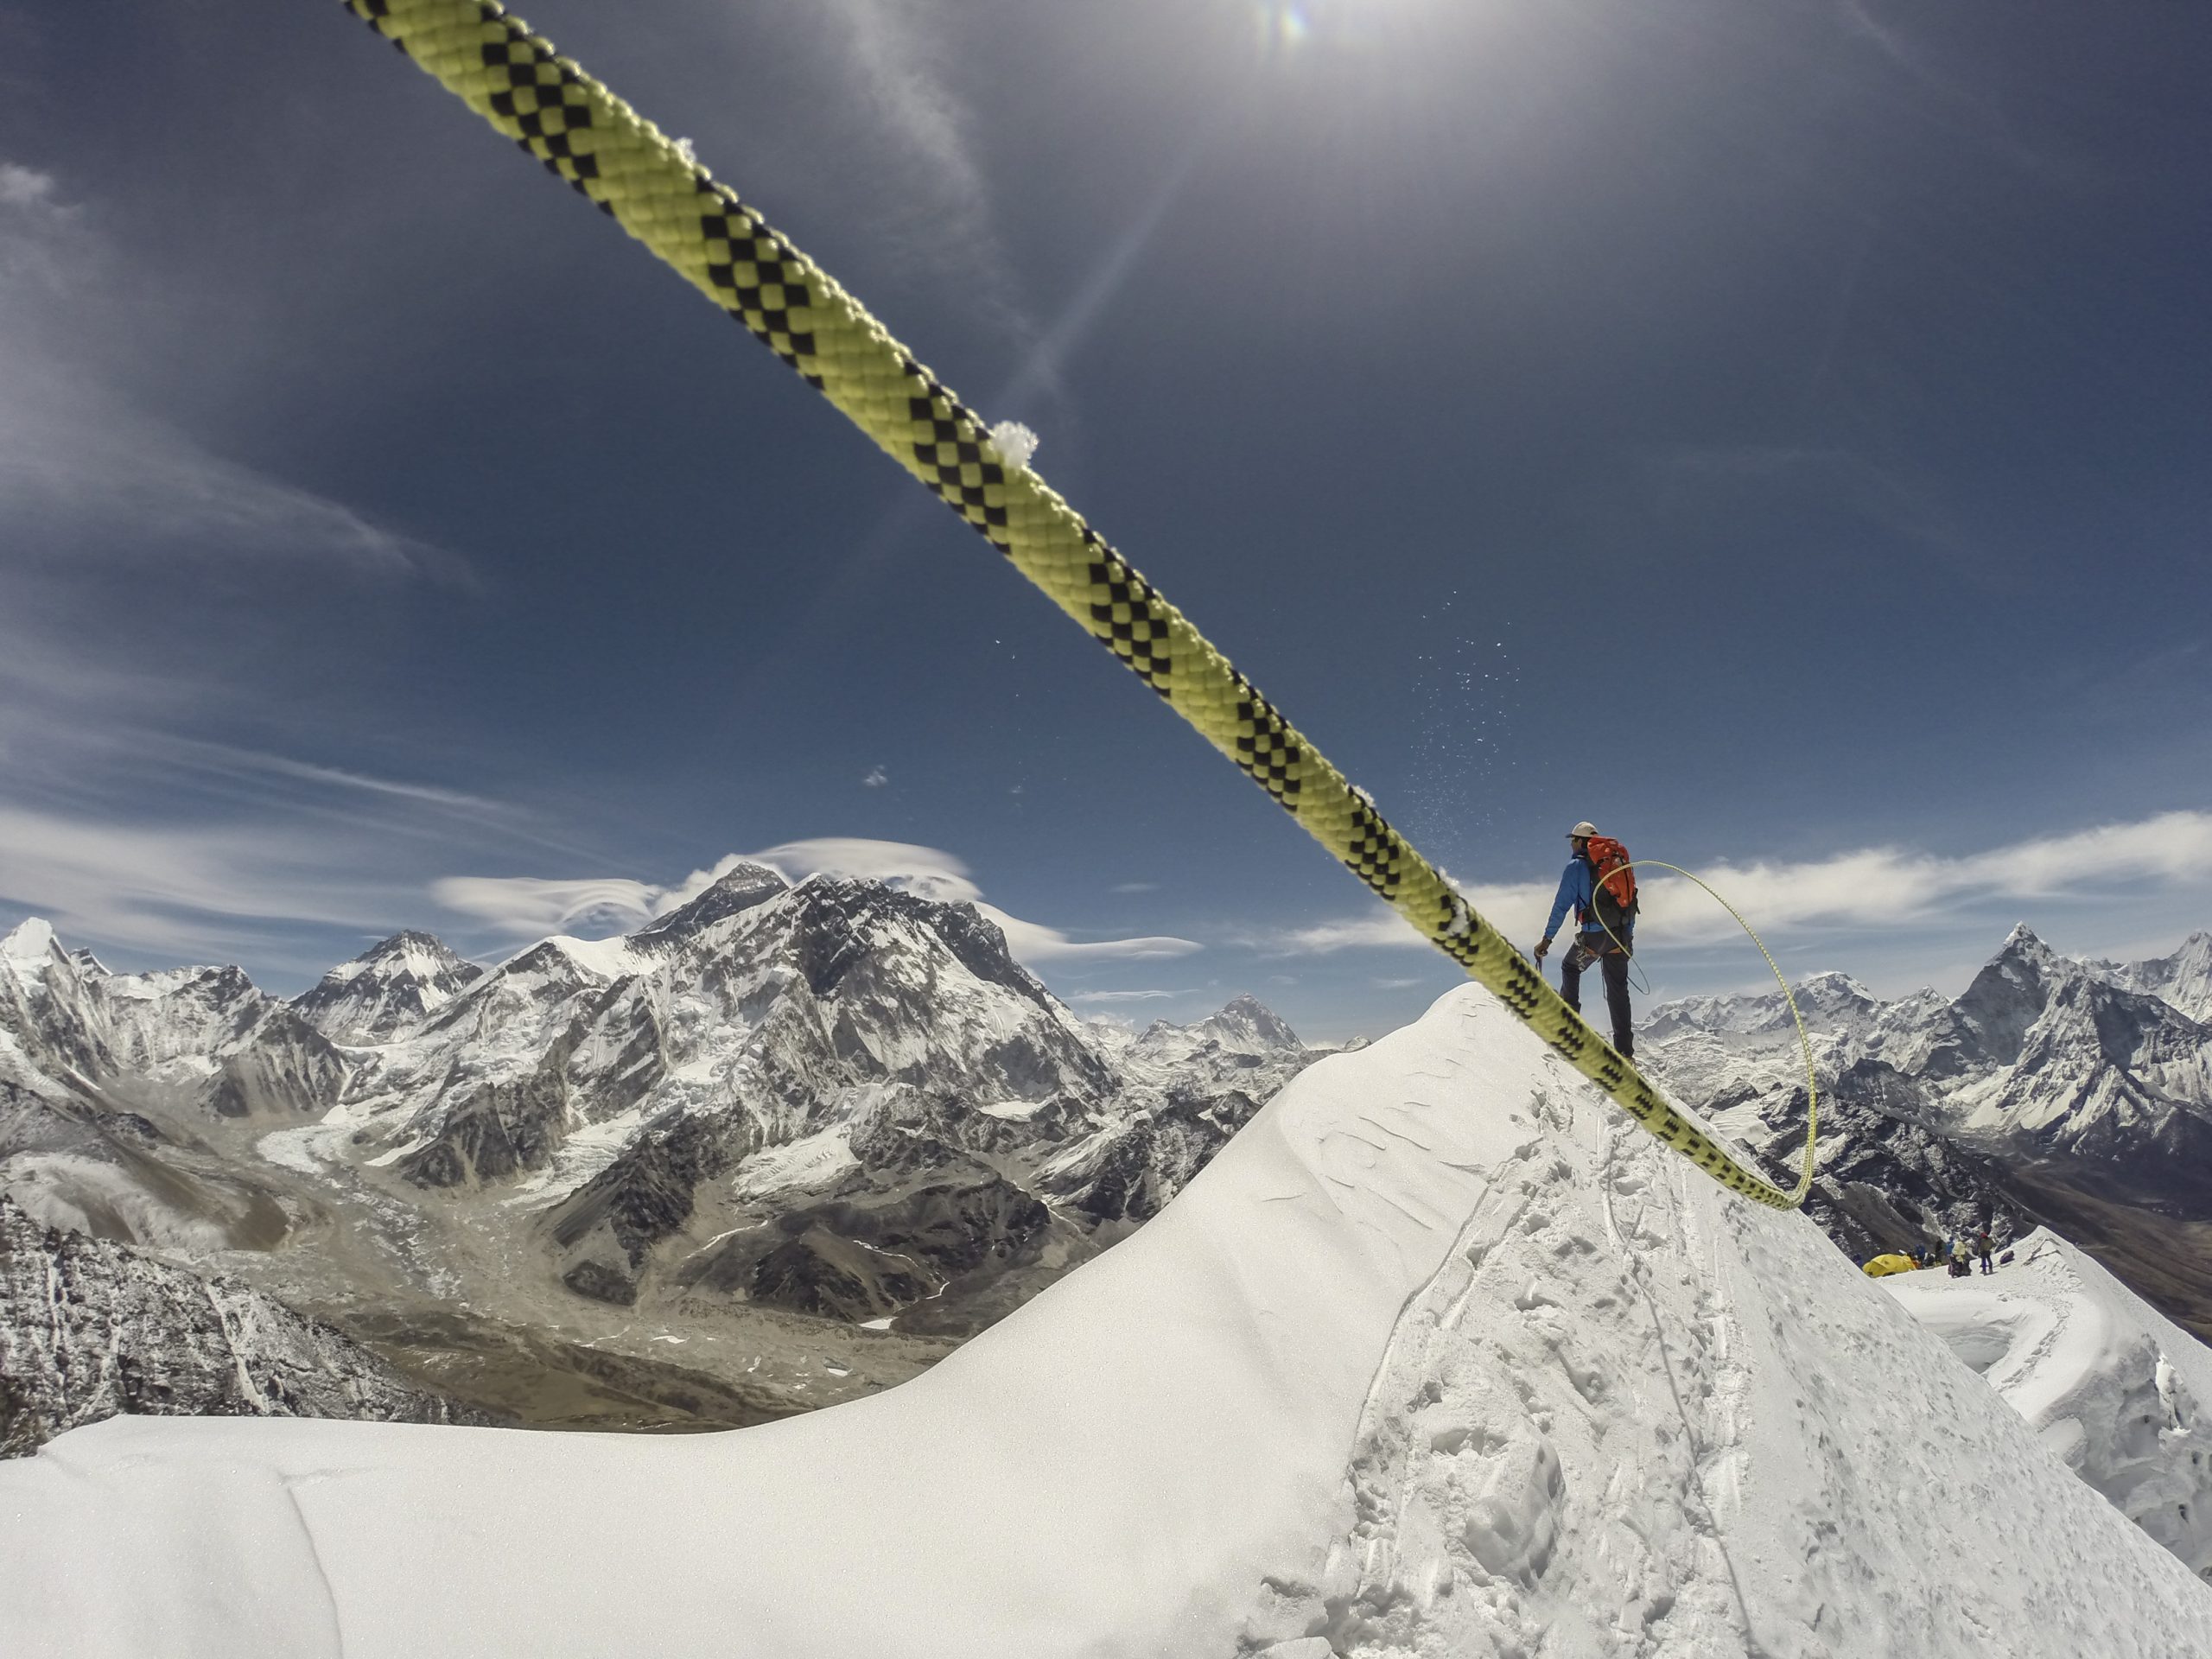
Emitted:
pixel 654 189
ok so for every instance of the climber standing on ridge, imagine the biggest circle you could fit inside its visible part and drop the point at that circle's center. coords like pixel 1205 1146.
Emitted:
pixel 1602 894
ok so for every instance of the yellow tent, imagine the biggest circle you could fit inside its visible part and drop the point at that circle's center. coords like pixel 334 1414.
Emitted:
pixel 1882 1266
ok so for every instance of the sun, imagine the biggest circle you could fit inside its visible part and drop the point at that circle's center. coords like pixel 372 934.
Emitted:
pixel 1287 25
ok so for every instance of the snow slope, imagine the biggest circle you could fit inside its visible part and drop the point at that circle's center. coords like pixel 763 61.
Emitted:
pixel 1439 1357
pixel 2113 1387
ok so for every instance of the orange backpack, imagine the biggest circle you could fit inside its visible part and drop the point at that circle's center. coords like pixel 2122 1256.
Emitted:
pixel 1612 880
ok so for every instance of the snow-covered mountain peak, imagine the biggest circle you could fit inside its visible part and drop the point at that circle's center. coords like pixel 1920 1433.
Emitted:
pixel 417 955
pixel 30 942
pixel 736 890
pixel 2183 979
pixel 2008 996
pixel 392 985
pixel 1244 1046
pixel 1833 985
pixel 1246 1022
pixel 1831 1004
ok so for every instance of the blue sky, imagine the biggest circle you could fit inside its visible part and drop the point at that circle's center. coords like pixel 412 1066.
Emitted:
pixel 1775 431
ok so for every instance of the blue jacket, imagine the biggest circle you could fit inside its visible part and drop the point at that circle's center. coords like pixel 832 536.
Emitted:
pixel 1577 892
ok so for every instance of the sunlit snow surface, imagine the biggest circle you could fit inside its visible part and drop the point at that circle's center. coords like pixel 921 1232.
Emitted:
pixel 2112 1386
pixel 1441 1357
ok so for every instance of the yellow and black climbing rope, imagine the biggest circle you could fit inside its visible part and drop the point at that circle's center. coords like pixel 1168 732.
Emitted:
pixel 660 195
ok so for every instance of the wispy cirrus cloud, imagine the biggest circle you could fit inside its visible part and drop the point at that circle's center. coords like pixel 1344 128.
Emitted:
pixel 1722 481
pixel 529 907
pixel 82 476
pixel 223 757
pixel 893 57
pixel 1873 887
pixel 251 849
pixel 87 474
pixel 213 891
pixel 1974 109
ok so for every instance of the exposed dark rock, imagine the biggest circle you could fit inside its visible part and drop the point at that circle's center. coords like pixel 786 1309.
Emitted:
pixel 646 1193
pixel 500 1130
pixel 602 1283
pixel 91 1329
pixel 738 890
pixel 284 1066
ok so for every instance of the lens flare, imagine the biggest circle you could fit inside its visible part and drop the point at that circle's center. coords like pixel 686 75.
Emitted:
pixel 1285 25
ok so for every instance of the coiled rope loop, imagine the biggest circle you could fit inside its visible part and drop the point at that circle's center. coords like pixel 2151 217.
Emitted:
pixel 1804 1041
pixel 651 186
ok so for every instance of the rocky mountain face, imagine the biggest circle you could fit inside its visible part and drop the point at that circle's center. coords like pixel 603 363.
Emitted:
pixel 385 990
pixel 2183 979
pixel 2051 1089
pixel 833 1101
pixel 91 1329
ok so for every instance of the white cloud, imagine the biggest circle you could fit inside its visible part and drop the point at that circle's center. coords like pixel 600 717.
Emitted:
pixel 896 60
pixel 190 891
pixel 1879 886
pixel 529 907
pixel 890 59
pixel 876 778
pixel 1032 943
pixel 83 467
pixel 248 850
pixel 74 468
pixel 923 871
pixel 25 187
pixel 222 758
pixel 1104 999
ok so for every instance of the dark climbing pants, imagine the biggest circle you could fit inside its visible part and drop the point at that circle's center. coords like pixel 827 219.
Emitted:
pixel 1612 962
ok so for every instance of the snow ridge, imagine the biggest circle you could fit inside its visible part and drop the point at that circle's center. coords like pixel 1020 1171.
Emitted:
pixel 2116 1391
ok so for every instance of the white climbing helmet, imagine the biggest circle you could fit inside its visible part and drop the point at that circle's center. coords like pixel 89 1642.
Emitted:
pixel 1582 831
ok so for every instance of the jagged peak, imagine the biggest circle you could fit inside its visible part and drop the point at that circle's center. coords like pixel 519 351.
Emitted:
pixel 1245 1013
pixel 1837 979
pixel 1239 1024
pixel 412 942
pixel 2197 948
pixel 30 940
pixel 746 876
pixel 741 887
pixel 408 954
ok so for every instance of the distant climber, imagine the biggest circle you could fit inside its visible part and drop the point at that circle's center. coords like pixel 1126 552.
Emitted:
pixel 1983 1244
pixel 1601 891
